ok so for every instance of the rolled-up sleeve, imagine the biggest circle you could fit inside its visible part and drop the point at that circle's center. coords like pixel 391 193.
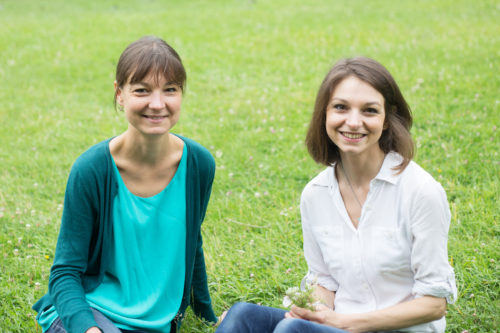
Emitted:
pixel 430 221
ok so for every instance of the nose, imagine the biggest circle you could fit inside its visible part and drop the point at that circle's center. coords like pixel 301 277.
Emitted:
pixel 354 119
pixel 156 101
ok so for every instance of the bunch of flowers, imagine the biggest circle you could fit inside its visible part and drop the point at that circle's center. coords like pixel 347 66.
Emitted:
pixel 301 298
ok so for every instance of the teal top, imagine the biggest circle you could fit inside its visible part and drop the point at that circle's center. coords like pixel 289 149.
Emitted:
pixel 85 244
pixel 142 288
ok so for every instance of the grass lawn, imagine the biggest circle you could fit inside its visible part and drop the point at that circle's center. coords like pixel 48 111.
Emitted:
pixel 254 67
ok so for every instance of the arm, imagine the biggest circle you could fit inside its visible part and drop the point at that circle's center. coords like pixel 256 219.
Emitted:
pixel 200 296
pixel 72 251
pixel 318 273
pixel 417 311
pixel 324 296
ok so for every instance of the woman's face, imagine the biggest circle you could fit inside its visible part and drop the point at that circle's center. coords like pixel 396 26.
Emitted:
pixel 355 117
pixel 152 106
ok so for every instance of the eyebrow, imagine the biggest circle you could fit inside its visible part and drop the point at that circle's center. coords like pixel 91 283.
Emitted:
pixel 172 83
pixel 347 102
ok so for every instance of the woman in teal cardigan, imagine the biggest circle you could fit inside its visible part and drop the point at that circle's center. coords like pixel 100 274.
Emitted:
pixel 129 255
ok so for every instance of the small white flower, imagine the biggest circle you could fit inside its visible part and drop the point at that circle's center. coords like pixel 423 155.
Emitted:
pixel 287 302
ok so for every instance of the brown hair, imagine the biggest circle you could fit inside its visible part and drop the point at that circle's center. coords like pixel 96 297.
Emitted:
pixel 149 55
pixel 398 119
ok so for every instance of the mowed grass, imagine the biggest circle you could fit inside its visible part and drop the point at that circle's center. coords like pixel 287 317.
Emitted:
pixel 253 71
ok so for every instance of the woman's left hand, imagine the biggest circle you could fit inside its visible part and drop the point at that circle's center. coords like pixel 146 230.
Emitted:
pixel 323 315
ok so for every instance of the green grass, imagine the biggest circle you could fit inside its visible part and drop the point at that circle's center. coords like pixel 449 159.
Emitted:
pixel 253 71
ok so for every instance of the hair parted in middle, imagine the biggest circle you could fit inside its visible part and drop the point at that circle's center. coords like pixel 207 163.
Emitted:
pixel 398 119
pixel 149 55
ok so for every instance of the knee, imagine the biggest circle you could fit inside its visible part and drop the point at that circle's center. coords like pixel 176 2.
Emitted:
pixel 240 309
pixel 289 325
pixel 236 317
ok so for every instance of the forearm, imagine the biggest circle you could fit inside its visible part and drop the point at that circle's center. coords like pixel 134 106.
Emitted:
pixel 414 312
pixel 201 302
pixel 323 295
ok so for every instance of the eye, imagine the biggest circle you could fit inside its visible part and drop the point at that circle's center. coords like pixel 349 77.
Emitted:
pixel 140 91
pixel 172 89
pixel 340 107
pixel 371 110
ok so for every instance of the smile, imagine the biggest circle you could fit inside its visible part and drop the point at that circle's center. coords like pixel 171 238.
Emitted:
pixel 352 135
pixel 155 119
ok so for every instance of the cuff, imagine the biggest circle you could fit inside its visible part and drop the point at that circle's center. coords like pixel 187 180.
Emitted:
pixel 444 288
pixel 325 281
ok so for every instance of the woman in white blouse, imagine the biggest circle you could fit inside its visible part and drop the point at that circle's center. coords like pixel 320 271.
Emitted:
pixel 375 224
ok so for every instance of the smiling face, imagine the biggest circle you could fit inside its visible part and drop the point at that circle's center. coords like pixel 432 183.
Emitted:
pixel 355 117
pixel 152 106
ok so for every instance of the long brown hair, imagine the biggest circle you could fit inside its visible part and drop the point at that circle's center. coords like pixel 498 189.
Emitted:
pixel 398 119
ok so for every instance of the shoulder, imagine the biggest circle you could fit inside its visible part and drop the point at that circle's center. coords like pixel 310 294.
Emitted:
pixel 422 189
pixel 92 161
pixel 199 158
pixel 416 178
pixel 318 185
pixel 196 150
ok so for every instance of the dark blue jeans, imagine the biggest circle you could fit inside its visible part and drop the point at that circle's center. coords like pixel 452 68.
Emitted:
pixel 252 318
pixel 104 323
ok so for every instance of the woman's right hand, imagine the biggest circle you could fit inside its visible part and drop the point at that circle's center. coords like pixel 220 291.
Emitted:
pixel 221 318
pixel 93 329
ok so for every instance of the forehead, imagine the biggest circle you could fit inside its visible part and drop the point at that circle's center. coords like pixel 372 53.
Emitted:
pixel 151 78
pixel 354 89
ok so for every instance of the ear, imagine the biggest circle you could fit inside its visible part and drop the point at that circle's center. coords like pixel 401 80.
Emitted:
pixel 118 90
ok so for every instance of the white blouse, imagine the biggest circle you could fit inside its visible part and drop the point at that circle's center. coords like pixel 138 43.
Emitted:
pixel 397 253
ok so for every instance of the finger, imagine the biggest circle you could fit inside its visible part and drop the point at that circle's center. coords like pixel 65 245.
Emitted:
pixel 292 314
pixel 300 312
pixel 321 307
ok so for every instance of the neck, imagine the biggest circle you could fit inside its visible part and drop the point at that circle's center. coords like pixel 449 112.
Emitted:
pixel 145 149
pixel 362 169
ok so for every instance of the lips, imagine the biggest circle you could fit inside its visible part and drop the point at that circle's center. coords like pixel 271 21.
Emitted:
pixel 353 136
pixel 155 119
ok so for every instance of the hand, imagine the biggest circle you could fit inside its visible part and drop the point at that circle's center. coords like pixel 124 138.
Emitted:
pixel 221 318
pixel 322 315
pixel 93 329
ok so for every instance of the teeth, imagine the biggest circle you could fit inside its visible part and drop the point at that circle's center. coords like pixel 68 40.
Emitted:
pixel 352 135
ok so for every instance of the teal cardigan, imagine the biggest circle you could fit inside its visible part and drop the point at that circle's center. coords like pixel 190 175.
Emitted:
pixel 84 244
